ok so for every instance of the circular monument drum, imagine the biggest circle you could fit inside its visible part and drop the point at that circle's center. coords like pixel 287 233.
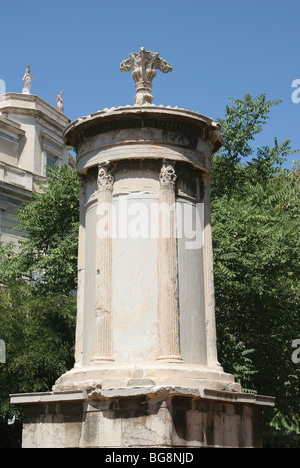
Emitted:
pixel 145 269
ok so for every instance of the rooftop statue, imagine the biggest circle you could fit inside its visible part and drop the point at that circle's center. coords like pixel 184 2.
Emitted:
pixel 27 78
pixel 143 65
pixel 60 103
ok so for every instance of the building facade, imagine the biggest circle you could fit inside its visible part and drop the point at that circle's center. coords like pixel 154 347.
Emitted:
pixel 30 140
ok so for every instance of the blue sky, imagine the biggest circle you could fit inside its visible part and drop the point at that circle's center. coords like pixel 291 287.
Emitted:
pixel 218 49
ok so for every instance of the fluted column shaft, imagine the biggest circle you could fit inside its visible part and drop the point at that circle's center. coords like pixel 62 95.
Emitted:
pixel 168 300
pixel 211 336
pixel 103 301
pixel 80 274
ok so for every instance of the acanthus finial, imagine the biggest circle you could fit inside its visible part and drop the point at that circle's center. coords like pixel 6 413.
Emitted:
pixel 143 65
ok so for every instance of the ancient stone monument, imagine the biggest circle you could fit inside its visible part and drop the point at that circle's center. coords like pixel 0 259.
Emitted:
pixel 146 370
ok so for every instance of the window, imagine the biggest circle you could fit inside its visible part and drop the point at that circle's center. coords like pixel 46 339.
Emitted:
pixel 51 161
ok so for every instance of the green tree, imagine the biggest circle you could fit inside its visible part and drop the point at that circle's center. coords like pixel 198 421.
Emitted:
pixel 48 256
pixel 244 119
pixel 37 301
pixel 255 223
pixel 38 331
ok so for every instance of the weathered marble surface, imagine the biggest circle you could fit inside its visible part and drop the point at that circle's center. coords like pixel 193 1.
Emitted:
pixel 161 306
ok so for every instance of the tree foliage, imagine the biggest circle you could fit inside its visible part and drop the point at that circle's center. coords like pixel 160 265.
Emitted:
pixel 38 331
pixel 37 301
pixel 255 221
pixel 51 225
pixel 244 120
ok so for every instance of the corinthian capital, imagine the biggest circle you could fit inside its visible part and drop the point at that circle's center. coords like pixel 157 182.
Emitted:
pixel 105 180
pixel 167 176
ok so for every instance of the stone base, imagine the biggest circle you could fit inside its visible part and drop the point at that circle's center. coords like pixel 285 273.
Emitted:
pixel 141 416
pixel 157 373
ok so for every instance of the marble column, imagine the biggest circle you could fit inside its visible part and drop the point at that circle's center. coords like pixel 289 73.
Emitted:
pixel 209 292
pixel 168 297
pixel 103 351
pixel 81 271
